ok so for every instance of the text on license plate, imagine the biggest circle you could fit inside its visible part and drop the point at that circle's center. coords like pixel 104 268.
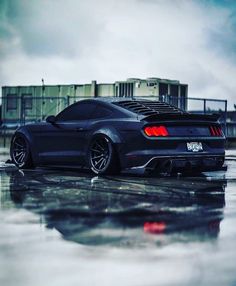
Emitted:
pixel 194 146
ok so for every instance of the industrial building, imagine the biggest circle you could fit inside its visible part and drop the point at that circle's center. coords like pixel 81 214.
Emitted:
pixel 21 104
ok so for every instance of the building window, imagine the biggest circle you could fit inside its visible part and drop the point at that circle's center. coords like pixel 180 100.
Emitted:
pixel 28 101
pixel 11 102
pixel 174 92
pixel 183 97
pixel 163 89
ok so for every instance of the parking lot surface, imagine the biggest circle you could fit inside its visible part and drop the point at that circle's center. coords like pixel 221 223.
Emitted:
pixel 66 227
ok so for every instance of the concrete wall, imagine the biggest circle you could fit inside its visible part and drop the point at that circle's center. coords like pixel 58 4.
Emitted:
pixel 105 90
pixel 143 87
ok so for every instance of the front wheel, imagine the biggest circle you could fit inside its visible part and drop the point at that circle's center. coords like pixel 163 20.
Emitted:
pixel 20 152
pixel 102 156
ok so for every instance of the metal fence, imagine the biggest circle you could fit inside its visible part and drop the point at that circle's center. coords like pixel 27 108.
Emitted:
pixel 22 110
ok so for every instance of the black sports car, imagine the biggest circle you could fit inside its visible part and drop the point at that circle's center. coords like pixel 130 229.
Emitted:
pixel 110 135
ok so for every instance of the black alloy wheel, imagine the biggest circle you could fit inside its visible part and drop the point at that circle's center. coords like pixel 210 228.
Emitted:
pixel 102 157
pixel 20 152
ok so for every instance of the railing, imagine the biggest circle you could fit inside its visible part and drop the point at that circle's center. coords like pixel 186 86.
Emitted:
pixel 231 130
pixel 36 109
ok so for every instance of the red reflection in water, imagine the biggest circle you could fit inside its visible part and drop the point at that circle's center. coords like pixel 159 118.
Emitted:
pixel 154 227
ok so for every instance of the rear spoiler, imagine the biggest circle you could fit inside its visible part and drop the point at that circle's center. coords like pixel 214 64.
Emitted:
pixel 182 116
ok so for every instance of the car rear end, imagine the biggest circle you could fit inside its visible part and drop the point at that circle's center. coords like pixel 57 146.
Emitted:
pixel 195 144
pixel 175 141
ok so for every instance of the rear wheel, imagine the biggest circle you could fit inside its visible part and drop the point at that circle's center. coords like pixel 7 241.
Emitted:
pixel 20 152
pixel 102 156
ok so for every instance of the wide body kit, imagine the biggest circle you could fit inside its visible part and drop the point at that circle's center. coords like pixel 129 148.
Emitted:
pixel 123 135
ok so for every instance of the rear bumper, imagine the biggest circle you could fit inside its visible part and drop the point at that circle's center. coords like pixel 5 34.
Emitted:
pixel 140 153
pixel 182 163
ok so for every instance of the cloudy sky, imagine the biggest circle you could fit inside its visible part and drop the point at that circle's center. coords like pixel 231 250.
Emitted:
pixel 76 41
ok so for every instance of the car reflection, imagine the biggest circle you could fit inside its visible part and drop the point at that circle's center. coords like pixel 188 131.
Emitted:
pixel 121 210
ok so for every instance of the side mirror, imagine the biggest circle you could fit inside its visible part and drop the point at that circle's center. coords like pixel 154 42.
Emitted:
pixel 51 119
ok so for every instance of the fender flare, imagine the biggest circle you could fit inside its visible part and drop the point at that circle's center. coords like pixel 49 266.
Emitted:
pixel 110 132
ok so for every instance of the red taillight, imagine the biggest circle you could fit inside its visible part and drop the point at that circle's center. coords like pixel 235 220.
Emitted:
pixel 216 131
pixel 156 131
pixel 154 227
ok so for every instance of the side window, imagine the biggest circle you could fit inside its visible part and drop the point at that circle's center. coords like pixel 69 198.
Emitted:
pixel 28 101
pixel 78 111
pixel 101 112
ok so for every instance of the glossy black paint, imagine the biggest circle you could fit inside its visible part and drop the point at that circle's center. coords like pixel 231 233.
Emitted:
pixel 65 139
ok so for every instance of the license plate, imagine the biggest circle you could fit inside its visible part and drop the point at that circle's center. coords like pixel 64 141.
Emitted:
pixel 194 146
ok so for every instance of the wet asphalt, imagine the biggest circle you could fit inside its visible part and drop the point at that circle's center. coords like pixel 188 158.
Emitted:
pixel 67 227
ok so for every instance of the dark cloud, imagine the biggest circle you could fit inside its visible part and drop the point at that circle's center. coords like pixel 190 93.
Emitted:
pixel 77 41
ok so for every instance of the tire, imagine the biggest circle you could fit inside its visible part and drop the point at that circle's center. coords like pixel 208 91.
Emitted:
pixel 20 152
pixel 102 156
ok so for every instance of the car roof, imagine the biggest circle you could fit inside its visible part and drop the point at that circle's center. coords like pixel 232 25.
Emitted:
pixel 107 102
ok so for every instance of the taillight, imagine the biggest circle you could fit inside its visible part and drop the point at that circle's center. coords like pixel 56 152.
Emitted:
pixel 156 131
pixel 216 131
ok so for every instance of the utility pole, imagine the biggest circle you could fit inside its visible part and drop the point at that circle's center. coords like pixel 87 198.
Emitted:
pixel 42 100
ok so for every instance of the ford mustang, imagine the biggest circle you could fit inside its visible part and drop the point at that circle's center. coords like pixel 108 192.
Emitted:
pixel 109 135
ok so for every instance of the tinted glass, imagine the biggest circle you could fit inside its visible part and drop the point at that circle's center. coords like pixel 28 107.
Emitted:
pixel 101 112
pixel 81 111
